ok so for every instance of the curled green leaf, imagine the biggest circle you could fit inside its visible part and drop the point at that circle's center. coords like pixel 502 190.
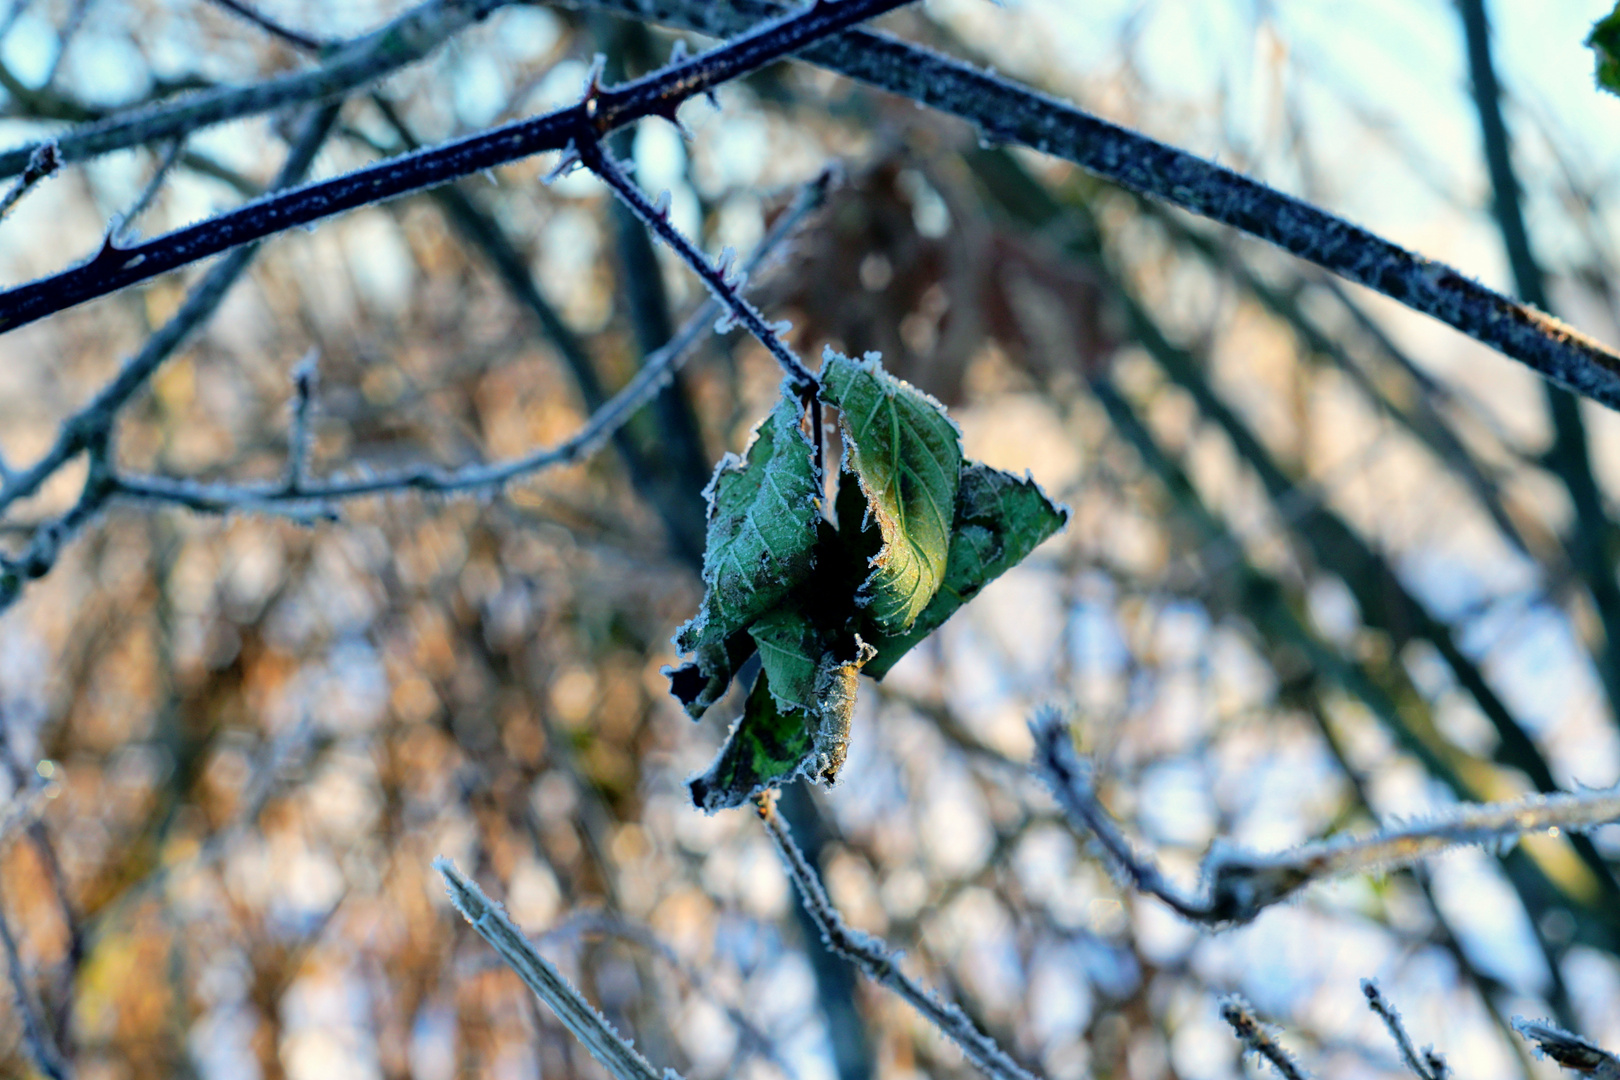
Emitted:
pixel 760 547
pixel 1000 518
pixel 907 455
pixel 768 744
pixel 773 741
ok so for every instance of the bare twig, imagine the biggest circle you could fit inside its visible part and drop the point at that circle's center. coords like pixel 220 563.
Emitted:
pixel 723 284
pixel 1069 777
pixel 1240 884
pixel 123 229
pixel 540 975
pixel 30 792
pixel 607 924
pixel 1256 1039
pixel 64 38
pixel 248 13
pixel 306 376
pixel 1569 1050
pixel 878 961
pixel 1428 1065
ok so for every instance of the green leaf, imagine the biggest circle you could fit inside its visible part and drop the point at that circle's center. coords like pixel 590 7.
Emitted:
pixel 907 455
pixel 760 546
pixel 1000 518
pixel 773 741
pixel 1605 41
pixel 790 648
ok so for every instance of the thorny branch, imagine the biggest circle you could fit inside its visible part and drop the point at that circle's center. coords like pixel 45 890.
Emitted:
pixel 657 94
pixel 878 961
pixel 313 497
pixel 1005 112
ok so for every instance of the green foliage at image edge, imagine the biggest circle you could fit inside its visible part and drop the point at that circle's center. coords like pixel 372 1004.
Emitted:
pixel 1605 41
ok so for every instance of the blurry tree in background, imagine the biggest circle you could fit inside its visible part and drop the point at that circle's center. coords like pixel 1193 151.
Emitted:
pixel 307 579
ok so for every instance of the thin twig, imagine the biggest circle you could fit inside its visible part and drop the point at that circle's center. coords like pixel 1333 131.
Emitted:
pixel 1256 1039
pixel 44 161
pixel 1069 777
pixel 723 284
pixel 306 376
pixel 311 497
pixel 657 94
pixel 1428 1065
pixel 123 229
pixel 64 39
pixel 540 975
pixel 717 276
pixel 878 961
pixel 297 38
pixel 405 40
pixel 44 1055
pixel 606 924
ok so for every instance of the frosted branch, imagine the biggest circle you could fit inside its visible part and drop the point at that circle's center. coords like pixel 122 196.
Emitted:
pixel 881 963
pixel 1257 1040
pixel 540 975
pixel 1240 884
pixel 1428 1064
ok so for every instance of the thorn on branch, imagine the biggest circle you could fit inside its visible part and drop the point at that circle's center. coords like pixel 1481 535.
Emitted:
pixel 565 165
